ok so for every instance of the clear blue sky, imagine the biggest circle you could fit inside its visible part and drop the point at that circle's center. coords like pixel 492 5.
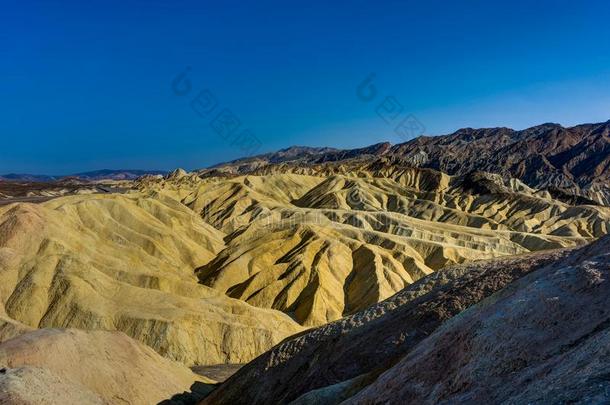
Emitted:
pixel 88 85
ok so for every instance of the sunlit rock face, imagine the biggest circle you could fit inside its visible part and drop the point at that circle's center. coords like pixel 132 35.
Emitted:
pixel 126 263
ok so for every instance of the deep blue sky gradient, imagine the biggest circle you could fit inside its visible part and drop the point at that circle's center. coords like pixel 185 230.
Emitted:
pixel 87 85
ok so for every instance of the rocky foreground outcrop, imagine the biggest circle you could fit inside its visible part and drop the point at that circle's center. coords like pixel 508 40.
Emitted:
pixel 545 338
pixel 528 329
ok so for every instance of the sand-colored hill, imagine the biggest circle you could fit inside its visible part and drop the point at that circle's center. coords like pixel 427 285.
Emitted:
pixel 219 268
pixel 526 329
pixel 57 366
pixel 10 328
pixel 126 263
pixel 324 241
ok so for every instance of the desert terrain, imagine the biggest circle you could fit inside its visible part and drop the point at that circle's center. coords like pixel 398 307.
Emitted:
pixel 432 271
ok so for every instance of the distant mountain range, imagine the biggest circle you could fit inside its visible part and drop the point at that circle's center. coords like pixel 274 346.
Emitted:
pixel 96 175
pixel 575 160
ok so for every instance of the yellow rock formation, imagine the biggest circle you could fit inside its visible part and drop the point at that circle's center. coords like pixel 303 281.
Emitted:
pixel 55 366
pixel 126 262
pixel 323 242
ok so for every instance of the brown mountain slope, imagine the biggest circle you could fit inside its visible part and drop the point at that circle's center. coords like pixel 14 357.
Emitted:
pixel 575 160
pixel 544 338
pixel 535 320
pixel 547 155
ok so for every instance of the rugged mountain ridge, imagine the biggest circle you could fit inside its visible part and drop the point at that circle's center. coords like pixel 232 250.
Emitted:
pixel 547 155
pixel 575 160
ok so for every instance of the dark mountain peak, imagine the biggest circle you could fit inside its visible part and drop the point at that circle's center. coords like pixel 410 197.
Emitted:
pixel 546 155
pixel 486 130
pixel 300 149
pixel 541 129
pixel 547 125
pixel 291 153
pixel 378 149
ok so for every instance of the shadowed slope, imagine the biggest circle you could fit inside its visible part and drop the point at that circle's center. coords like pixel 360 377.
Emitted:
pixel 545 338
pixel 402 335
